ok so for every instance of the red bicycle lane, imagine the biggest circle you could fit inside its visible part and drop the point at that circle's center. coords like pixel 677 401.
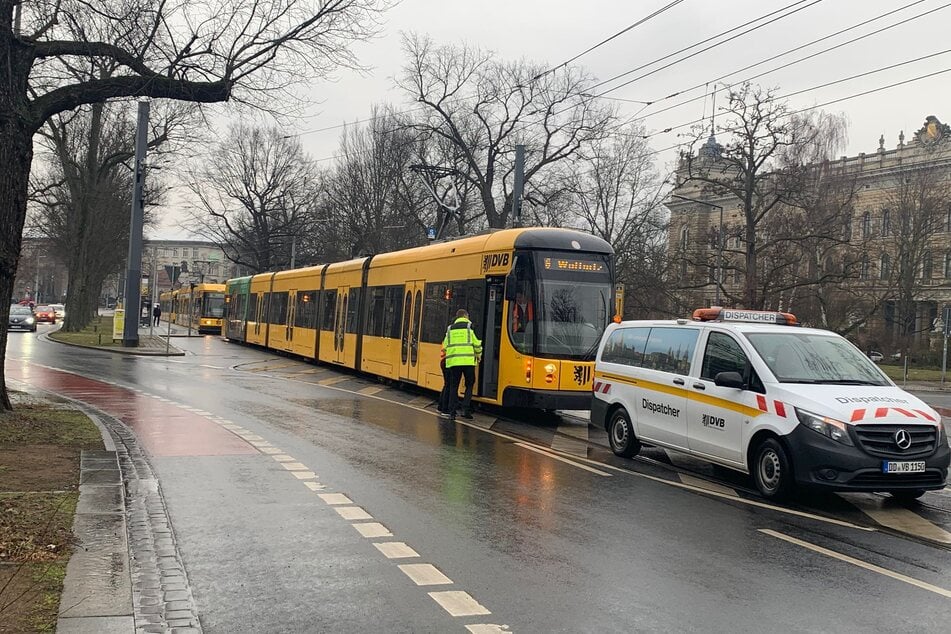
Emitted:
pixel 162 428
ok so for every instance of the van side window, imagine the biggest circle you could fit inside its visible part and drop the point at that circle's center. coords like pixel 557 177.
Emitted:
pixel 723 354
pixel 670 349
pixel 626 346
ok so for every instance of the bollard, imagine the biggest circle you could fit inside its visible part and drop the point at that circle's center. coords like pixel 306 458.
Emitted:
pixel 100 338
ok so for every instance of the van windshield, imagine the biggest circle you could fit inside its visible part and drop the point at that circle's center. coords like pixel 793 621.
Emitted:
pixel 815 358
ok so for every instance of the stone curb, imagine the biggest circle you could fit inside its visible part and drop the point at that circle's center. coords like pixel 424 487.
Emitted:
pixel 158 597
pixel 173 351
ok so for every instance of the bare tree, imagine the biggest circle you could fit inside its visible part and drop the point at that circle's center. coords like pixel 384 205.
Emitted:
pixel 256 197
pixel 616 194
pixel 484 107
pixel 918 202
pixel 251 51
pixel 769 160
pixel 373 196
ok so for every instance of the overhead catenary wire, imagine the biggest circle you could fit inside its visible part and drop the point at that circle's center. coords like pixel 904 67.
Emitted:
pixel 608 39
pixel 709 39
pixel 793 62
pixel 812 88
pixel 749 22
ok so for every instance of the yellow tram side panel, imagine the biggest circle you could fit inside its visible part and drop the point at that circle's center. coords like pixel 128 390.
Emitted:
pixel 257 313
pixel 431 264
pixel 341 275
pixel 287 337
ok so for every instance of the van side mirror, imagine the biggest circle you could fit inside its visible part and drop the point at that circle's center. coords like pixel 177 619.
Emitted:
pixel 729 379
pixel 511 288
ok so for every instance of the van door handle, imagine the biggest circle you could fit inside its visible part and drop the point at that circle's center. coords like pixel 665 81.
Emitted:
pixel 678 381
pixel 699 386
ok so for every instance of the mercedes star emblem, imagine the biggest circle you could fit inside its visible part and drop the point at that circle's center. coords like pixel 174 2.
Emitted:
pixel 902 439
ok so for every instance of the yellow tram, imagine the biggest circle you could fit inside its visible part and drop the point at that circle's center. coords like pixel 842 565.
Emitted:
pixel 200 307
pixel 539 298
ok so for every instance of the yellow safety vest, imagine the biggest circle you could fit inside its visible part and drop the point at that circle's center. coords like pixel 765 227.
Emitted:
pixel 461 344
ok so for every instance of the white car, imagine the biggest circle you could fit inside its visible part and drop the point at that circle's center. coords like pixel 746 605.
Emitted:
pixel 60 310
pixel 877 357
pixel 748 391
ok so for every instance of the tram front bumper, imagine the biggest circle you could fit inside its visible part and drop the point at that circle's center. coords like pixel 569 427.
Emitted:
pixel 546 399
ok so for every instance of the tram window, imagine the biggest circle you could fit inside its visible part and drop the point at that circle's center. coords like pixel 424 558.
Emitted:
pixel 436 313
pixel 522 331
pixel 376 297
pixel 306 315
pixel 278 312
pixel 392 311
pixel 353 322
pixel 237 307
pixel 253 308
pixel 329 308
pixel 469 294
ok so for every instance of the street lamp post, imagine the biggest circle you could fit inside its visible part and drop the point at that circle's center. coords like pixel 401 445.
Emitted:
pixel 719 240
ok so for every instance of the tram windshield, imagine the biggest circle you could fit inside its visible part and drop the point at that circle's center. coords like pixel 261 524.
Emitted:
pixel 214 305
pixel 563 306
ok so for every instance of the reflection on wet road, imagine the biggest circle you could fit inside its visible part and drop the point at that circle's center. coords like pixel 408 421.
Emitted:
pixel 359 502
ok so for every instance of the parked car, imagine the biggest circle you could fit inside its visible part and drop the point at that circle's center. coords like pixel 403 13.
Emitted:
pixel 877 357
pixel 60 310
pixel 21 318
pixel 45 314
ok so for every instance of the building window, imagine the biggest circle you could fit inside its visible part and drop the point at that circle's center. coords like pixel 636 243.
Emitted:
pixel 948 222
pixel 885 267
pixel 683 268
pixel 847 229
pixel 947 265
pixel 926 266
pixel 886 221
pixel 866 225
pixel 865 267
pixel 684 237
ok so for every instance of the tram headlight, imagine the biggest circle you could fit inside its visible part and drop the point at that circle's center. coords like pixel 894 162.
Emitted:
pixel 528 370
pixel 550 370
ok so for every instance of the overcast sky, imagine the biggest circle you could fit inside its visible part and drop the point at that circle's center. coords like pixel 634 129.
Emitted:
pixel 553 31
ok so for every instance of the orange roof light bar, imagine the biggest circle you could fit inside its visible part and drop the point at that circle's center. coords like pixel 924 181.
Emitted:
pixel 746 316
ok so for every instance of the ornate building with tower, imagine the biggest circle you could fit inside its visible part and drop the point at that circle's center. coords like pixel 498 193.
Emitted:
pixel 892 246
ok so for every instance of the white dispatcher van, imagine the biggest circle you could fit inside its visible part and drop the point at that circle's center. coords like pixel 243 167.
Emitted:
pixel 788 405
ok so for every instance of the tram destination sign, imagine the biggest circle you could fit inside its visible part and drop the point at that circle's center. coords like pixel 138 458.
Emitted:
pixel 573 264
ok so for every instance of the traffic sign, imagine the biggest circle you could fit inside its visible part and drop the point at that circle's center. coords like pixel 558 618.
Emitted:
pixel 431 233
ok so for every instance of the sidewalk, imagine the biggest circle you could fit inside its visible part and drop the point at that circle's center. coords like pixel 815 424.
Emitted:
pixel 155 344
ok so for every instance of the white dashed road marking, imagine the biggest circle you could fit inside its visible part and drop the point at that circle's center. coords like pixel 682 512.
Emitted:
pixel 488 628
pixel 425 574
pixel 898 518
pixel 304 475
pixel 396 550
pixel 352 513
pixel 335 498
pixel 458 603
pixel 283 457
pixel 294 466
pixel 372 529
pixel 565 460
pixel 313 486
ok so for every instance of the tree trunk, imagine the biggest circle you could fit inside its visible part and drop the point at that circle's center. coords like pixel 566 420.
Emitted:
pixel 749 282
pixel 16 155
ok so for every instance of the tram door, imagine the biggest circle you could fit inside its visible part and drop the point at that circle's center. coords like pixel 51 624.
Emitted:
pixel 291 316
pixel 491 341
pixel 409 334
pixel 259 313
pixel 340 323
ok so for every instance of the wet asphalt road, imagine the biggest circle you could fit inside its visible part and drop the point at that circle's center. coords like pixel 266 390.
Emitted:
pixel 544 544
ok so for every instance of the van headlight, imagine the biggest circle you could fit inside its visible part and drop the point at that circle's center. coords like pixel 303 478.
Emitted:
pixel 29 320
pixel 828 427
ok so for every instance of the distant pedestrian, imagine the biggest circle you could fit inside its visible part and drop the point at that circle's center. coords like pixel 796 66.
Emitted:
pixel 157 314
pixel 463 352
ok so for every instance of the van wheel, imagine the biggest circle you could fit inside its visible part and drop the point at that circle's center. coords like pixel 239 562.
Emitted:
pixel 621 435
pixel 772 470
pixel 907 495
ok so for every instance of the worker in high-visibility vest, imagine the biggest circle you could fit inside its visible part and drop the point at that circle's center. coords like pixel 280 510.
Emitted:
pixel 463 352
